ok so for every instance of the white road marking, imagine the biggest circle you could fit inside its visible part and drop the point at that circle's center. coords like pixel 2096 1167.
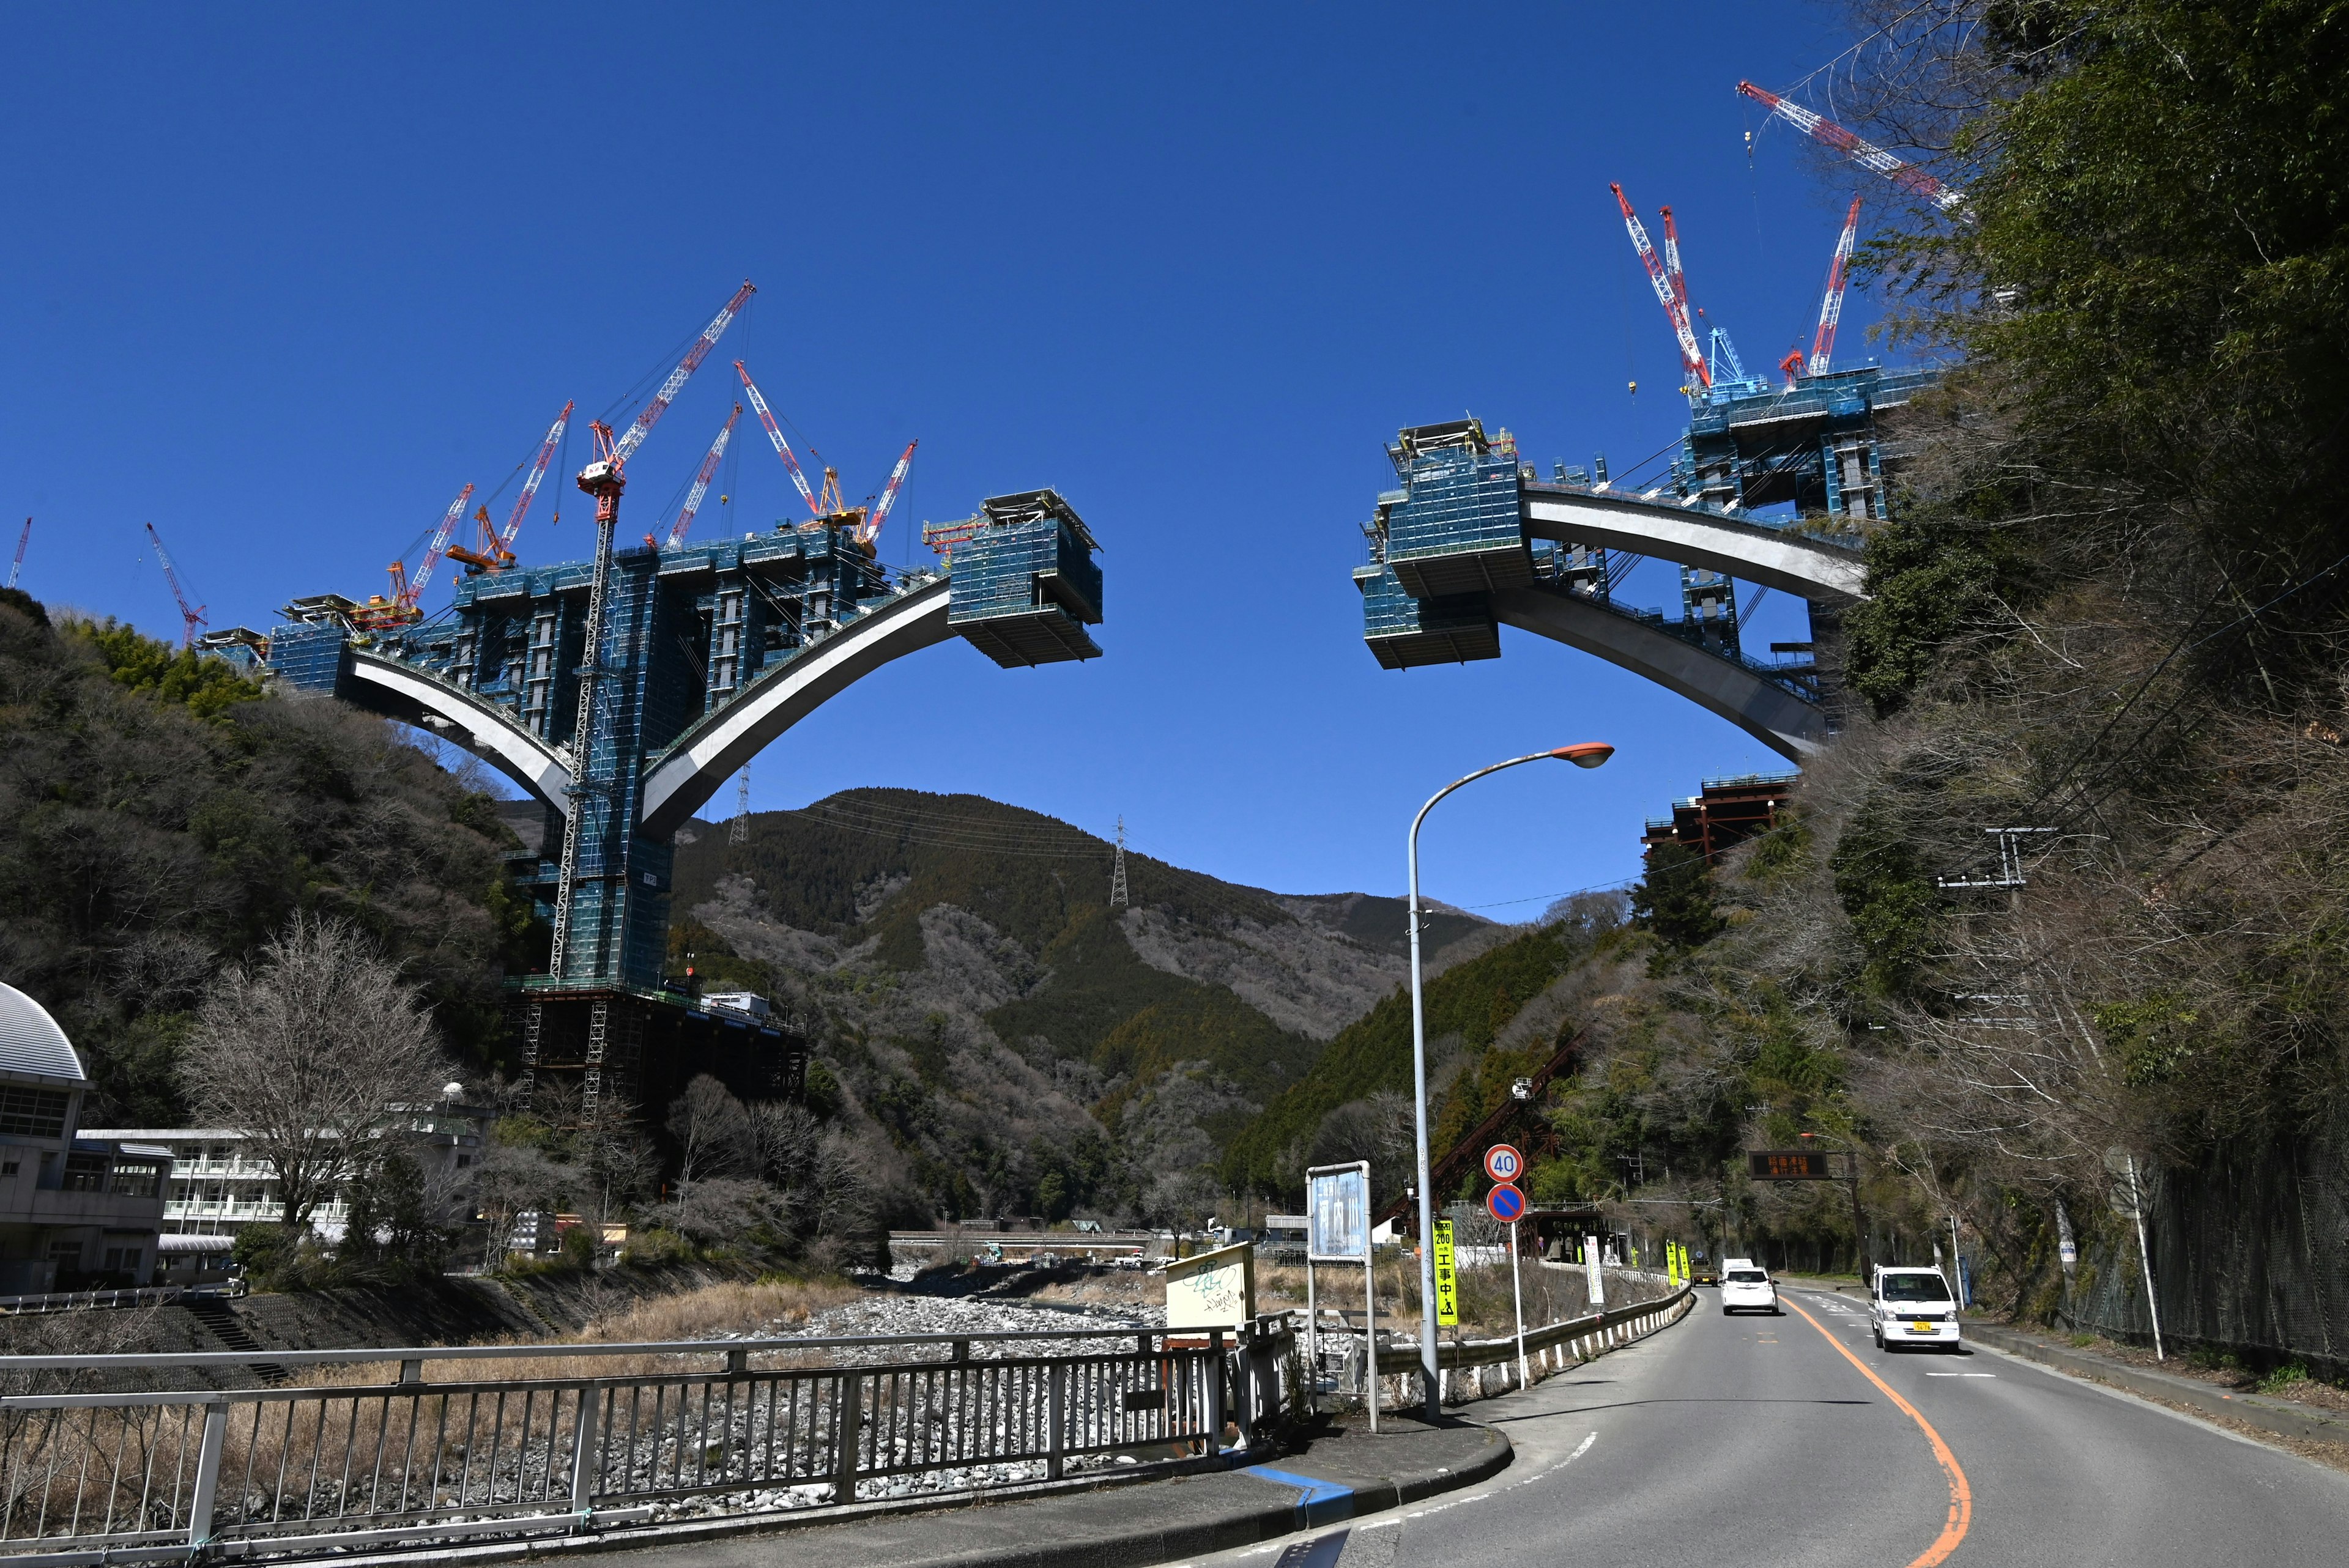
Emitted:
pixel 1960 1374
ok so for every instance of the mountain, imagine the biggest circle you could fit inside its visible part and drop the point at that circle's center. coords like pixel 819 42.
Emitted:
pixel 998 1033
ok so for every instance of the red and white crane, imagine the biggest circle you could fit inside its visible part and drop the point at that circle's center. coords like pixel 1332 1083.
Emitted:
pixel 634 436
pixel 496 553
pixel 870 529
pixel 1831 305
pixel 701 481
pixel 16 567
pixel 188 619
pixel 1669 290
pixel 408 592
pixel 775 434
pixel 1867 154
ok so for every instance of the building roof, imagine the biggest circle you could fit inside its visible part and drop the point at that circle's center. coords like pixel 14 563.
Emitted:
pixel 31 1044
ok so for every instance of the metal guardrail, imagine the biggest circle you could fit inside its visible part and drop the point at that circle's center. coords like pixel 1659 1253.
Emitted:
pixel 90 1478
pixel 1615 1326
pixel 83 1300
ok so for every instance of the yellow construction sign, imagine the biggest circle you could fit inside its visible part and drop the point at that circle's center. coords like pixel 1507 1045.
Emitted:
pixel 1447 1284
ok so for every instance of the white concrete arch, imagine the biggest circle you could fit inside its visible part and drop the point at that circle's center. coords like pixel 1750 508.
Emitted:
pixel 1771 715
pixel 717 746
pixel 1794 563
pixel 401 691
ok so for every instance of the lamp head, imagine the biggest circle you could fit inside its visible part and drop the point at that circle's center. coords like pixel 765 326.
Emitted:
pixel 1590 754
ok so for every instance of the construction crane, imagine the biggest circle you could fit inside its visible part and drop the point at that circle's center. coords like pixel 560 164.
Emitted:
pixel 1668 292
pixel 775 434
pixel 1867 154
pixel 382 612
pixel 701 481
pixel 496 551
pixel 1831 307
pixel 16 567
pixel 625 448
pixel 869 530
pixel 188 619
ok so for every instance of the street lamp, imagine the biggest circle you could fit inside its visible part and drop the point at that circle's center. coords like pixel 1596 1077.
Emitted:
pixel 1590 754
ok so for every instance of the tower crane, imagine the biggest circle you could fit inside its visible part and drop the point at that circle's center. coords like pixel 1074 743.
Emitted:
pixel 1668 292
pixel 1831 305
pixel 16 567
pixel 775 434
pixel 496 553
pixel 188 619
pixel 1867 154
pixel 701 481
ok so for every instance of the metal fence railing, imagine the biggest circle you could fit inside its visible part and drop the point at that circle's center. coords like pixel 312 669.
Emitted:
pixel 91 1477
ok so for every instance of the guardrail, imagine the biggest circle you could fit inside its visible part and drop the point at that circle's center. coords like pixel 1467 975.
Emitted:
pixel 1558 1344
pixel 83 1300
pixel 89 1478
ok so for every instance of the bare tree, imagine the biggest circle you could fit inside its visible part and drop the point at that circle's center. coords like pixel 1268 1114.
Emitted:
pixel 305 1051
pixel 713 1133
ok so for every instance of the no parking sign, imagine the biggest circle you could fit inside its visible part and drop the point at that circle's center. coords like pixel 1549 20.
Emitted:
pixel 1505 1203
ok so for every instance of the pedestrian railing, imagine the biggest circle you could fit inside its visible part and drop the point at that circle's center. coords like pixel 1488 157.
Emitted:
pixel 776 1424
pixel 84 1300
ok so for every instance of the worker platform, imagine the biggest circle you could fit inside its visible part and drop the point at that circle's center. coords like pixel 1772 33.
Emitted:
pixel 1474 539
pixel 711 651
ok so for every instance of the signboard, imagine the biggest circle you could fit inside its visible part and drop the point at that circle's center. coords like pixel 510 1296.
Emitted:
pixel 1594 1282
pixel 1788 1165
pixel 1213 1290
pixel 1504 1164
pixel 1505 1203
pixel 1338 1215
pixel 1447 1284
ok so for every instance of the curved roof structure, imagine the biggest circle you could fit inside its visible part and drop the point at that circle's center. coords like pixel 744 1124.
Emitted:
pixel 31 1044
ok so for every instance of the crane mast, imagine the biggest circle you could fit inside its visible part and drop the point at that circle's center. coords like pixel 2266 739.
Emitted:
pixel 1667 292
pixel 188 619
pixel 1831 305
pixel 701 478
pixel 1867 154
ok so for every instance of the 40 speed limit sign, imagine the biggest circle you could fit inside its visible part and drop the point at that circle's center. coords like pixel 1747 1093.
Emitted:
pixel 1504 1164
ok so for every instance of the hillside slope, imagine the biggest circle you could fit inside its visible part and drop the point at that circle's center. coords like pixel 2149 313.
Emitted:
pixel 1009 1041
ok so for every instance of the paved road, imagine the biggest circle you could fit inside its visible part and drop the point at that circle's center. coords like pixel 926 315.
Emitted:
pixel 1755 1440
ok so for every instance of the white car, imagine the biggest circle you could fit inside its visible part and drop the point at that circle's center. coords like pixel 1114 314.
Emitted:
pixel 1745 1287
pixel 1912 1306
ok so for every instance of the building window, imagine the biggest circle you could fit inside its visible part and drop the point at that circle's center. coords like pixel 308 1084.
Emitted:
pixel 137 1181
pixel 66 1253
pixel 32 1112
pixel 7 1167
pixel 85 1173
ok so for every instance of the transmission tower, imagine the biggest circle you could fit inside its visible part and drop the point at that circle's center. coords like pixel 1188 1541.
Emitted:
pixel 740 831
pixel 1117 875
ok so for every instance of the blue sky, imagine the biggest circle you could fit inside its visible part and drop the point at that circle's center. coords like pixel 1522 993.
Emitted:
pixel 280 281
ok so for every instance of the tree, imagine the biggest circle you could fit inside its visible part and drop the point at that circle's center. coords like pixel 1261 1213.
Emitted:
pixel 712 1131
pixel 306 1051
pixel 1674 900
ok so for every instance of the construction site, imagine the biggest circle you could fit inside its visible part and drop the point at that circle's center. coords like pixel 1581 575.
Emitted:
pixel 621 692
pixel 1770 485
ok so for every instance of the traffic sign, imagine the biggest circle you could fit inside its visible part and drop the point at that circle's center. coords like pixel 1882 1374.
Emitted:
pixel 1505 1203
pixel 1504 1164
pixel 1788 1165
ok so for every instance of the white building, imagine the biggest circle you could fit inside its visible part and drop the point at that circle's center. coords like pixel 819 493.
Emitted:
pixel 219 1184
pixel 78 1210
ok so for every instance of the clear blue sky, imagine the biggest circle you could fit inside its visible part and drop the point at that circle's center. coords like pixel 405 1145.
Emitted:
pixel 281 280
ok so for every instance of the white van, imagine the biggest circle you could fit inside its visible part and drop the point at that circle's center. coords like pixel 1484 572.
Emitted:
pixel 1912 1306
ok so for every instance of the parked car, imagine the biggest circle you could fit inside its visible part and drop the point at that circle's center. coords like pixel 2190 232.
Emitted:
pixel 1746 1286
pixel 1912 1306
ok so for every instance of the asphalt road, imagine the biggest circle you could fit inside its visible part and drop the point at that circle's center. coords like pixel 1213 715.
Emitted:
pixel 1754 1440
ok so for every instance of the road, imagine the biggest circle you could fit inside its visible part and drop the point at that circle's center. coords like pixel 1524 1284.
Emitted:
pixel 1758 1440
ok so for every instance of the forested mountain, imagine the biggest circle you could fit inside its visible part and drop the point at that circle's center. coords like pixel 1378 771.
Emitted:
pixel 159 817
pixel 1015 1044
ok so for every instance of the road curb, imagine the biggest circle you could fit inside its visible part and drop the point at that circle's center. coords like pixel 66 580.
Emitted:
pixel 2278 1416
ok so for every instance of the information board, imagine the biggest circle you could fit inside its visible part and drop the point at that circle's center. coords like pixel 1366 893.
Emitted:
pixel 1447 1284
pixel 1338 1215
pixel 1788 1165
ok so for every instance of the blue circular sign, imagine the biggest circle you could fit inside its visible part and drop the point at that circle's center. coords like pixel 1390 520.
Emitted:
pixel 1505 1203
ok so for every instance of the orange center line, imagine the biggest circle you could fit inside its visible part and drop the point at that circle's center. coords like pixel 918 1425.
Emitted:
pixel 1961 1495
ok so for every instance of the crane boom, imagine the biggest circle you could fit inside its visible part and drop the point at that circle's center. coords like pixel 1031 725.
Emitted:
pixel 16 567
pixel 188 619
pixel 414 588
pixel 529 486
pixel 634 436
pixel 1831 305
pixel 775 434
pixel 870 529
pixel 1867 154
pixel 1692 358
pixel 701 481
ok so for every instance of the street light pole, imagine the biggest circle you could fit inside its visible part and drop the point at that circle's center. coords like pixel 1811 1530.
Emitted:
pixel 1590 754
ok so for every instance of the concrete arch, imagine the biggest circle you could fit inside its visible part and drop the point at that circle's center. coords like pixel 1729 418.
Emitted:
pixel 684 778
pixel 1793 564
pixel 1787 725
pixel 400 691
